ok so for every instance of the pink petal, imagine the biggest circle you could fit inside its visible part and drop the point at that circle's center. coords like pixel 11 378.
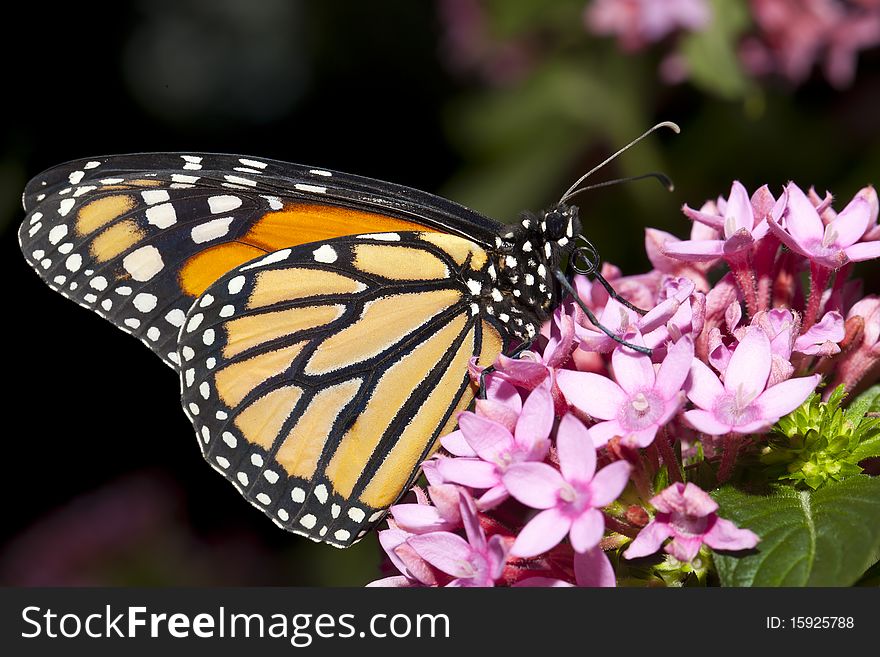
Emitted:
pixel 749 366
pixel 648 540
pixel 501 391
pixel 487 438
pixel 738 212
pixel 395 581
pixel 469 472
pixel 684 549
pixel 541 582
pixel 654 243
pixel 561 342
pixel 702 386
pixel 675 368
pixel 535 423
pixel 444 550
pixel 521 371
pixel 492 497
pixel 852 222
pixel 706 422
pixel 602 432
pixel 390 539
pixel 803 222
pixel 496 555
pixel 645 437
pixel 712 220
pixel 762 202
pixel 829 329
pixel 609 483
pixel 694 250
pixel 724 535
pixel 593 569
pixel 471 522
pixel 536 485
pixel 497 412
pixel 787 239
pixel 863 251
pixel 542 533
pixel 633 371
pixel 455 443
pixel 784 397
pixel 586 530
pixel 592 393
pixel 696 501
pixel 419 518
pixel 577 455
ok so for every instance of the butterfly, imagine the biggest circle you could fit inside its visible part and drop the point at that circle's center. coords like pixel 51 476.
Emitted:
pixel 321 323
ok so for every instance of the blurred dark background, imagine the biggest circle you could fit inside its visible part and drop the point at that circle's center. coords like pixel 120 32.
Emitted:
pixel 498 105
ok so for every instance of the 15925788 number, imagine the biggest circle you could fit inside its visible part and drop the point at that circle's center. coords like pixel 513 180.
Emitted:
pixel 821 622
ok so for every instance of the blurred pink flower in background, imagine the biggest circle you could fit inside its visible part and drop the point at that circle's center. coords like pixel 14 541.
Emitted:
pixel 637 23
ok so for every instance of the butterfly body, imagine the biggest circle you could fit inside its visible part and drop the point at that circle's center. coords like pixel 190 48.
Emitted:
pixel 321 324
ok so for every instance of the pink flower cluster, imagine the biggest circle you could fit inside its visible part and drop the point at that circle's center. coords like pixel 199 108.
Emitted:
pixel 551 479
pixel 788 38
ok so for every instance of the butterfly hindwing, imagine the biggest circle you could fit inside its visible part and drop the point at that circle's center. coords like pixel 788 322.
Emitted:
pixel 318 377
pixel 136 238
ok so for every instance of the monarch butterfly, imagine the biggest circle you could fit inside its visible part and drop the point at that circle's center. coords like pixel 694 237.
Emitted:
pixel 321 323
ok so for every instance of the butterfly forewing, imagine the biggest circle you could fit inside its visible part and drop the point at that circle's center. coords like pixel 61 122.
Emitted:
pixel 318 377
pixel 136 238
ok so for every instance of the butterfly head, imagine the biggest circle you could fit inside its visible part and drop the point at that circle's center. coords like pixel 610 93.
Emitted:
pixel 525 290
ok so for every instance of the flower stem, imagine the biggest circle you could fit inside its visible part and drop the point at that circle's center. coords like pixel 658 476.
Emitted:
pixel 818 281
pixel 728 456
pixel 668 455
pixel 741 266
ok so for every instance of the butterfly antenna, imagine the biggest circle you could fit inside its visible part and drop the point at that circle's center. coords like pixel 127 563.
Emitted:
pixel 571 191
pixel 662 178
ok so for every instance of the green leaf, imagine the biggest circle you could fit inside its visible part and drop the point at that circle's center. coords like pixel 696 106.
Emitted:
pixel 711 53
pixel 867 401
pixel 827 537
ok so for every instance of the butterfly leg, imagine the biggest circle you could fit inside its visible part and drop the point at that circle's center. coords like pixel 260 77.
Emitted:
pixel 481 394
pixel 589 313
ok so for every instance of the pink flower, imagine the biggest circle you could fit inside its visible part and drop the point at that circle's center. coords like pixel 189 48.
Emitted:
pixel 441 513
pixel 472 562
pixel 532 368
pixel 640 402
pixel 486 449
pixel 591 569
pixel 740 225
pixel 832 245
pixel 569 498
pixel 823 337
pixel 686 514
pixel 742 404
pixel 639 22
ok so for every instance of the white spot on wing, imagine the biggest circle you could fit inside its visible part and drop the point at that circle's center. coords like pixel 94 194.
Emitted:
pixel 57 234
pixel 384 237
pixel 325 254
pixel 162 216
pixel 65 206
pixel 145 302
pixel 223 203
pixel 153 196
pixel 315 189
pixel 144 263
pixel 76 176
pixel 211 230
pixel 253 163
pixel 277 256
pixel 236 284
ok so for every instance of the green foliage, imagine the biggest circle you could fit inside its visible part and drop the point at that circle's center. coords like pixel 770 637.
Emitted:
pixel 711 53
pixel 827 537
pixel 819 442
